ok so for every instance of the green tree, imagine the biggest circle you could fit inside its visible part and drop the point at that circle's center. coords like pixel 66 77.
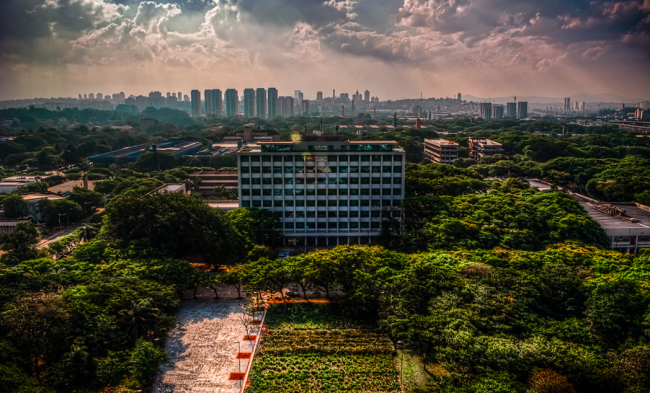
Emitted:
pixel 14 206
pixel 20 244
pixel 144 361
pixel 260 225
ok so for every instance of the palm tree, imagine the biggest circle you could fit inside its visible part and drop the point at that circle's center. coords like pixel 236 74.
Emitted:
pixel 87 232
pixel 138 315
pixel 77 359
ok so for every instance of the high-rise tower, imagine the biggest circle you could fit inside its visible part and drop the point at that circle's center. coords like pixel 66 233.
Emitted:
pixel 249 103
pixel 260 102
pixel 272 102
pixel 232 102
pixel 196 103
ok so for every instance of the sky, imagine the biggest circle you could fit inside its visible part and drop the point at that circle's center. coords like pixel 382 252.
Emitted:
pixel 394 48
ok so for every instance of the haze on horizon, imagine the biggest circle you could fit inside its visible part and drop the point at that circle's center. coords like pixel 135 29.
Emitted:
pixel 394 48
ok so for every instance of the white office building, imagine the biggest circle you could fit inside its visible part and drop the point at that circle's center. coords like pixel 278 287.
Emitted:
pixel 327 192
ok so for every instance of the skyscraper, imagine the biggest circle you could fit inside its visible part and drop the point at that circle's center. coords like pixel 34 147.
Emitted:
pixel 209 105
pixel 319 96
pixel 366 96
pixel 497 111
pixel 304 106
pixel 486 110
pixel 91 96
pixel 296 94
pixel 285 105
pixel 567 104
pixel 511 110
pixel 249 103
pixel 196 103
pixel 273 102
pixel 260 102
pixel 522 109
pixel 459 96
pixel 179 96
pixel 217 104
pixel 232 102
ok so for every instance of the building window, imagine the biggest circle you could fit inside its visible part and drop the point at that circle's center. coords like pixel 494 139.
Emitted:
pixel 365 158
pixel 288 169
pixel 266 169
pixel 354 180
pixel 311 203
pixel 331 203
pixel 300 225
pixel 332 225
pixel 376 202
pixel 257 203
pixel 267 204
pixel 385 169
pixel 245 192
pixel 257 192
pixel 386 191
pixel 343 158
pixel 288 192
pixel 365 169
pixel 277 158
pixel 321 192
pixel 365 203
pixel 288 225
pixel 375 214
pixel 322 180
pixel 354 225
pixel 343 191
pixel 245 169
pixel 374 225
pixel 397 169
pixel 332 158
pixel 322 225
pixel 354 158
pixel 333 169
pixel 343 169
pixel 387 180
pixel 376 180
pixel 365 191
pixel 343 225
pixel 354 169
pixel 365 225
pixel 354 203
pixel 321 203
pixel 277 192
pixel 365 180
pixel 397 191
pixel 277 169
pixel 354 214
pixel 375 191
pixel 365 214
pixel 343 214
pixel 332 191
pixel 354 191
pixel 243 159
pixel 342 180
pixel 279 181
pixel 246 204
pixel 331 180
pixel 299 203
pixel 397 157
pixel 267 192
pixel 266 180
pixel 397 180
pixel 255 169
pixel 266 158
pixel 245 181
pixel 311 192
pixel 300 180
pixel 376 158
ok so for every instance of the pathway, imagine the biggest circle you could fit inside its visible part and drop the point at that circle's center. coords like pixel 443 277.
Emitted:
pixel 201 349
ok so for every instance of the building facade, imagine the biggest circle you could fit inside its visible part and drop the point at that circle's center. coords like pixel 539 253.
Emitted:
pixel 327 192
pixel 249 103
pixel 441 150
pixel 498 112
pixel 481 147
pixel 511 110
pixel 273 103
pixel 217 103
pixel 522 110
pixel 260 103
pixel 232 103
pixel 209 105
pixel 486 110
pixel 304 107
pixel 196 103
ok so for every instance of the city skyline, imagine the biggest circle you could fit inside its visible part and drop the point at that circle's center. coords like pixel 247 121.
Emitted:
pixel 394 48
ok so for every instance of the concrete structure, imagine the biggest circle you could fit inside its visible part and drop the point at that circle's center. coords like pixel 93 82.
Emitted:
pixel 567 104
pixel 196 103
pixel 366 96
pixel 146 123
pixel 175 148
pixel 209 105
pixel 9 184
pixel 211 181
pixel 498 112
pixel 327 191
pixel 232 102
pixel 511 110
pixel 8 226
pixel 522 110
pixel 286 106
pixel 273 103
pixel 481 147
pixel 304 107
pixel 260 103
pixel 249 103
pixel 217 104
pixel 485 110
pixel 627 237
pixel 441 150
pixel 174 188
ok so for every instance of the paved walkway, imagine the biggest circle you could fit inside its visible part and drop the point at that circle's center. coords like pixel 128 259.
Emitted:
pixel 202 351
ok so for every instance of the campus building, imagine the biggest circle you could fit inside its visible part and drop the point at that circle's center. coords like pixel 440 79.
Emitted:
pixel 482 147
pixel 326 191
pixel 441 151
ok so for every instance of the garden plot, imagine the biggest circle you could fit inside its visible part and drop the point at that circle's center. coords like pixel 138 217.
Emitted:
pixel 339 359
pixel 201 349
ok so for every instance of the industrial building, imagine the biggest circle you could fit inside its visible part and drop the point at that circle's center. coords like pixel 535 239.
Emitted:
pixel 175 148
pixel 9 184
pixel 211 181
pixel 441 151
pixel 327 191
pixel 482 147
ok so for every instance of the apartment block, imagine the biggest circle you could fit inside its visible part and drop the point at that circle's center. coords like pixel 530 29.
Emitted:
pixel 440 150
pixel 481 147
pixel 327 191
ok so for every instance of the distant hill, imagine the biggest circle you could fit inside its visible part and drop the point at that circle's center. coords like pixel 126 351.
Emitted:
pixel 605 97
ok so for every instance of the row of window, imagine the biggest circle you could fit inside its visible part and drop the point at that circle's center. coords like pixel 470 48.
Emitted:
pixel 309 157
pixel 334 203
pixel 322 169
pixel 321 180
pixel 337 214
pixel 332 225
pixel 331 191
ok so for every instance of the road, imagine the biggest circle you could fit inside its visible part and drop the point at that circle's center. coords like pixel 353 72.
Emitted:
pixel 62 233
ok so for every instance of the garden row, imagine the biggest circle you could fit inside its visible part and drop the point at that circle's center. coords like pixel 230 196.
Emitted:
pixel 349 341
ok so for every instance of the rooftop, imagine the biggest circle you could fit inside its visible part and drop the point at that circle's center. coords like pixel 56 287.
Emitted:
pixel 440 142
pixel 51 197
pixel 611 222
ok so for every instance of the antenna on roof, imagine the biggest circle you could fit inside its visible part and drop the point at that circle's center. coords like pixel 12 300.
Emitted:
pixel 515 97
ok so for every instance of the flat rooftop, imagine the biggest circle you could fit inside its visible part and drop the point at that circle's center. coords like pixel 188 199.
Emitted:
pixel 51 197
pixel 610 222
pixel 440 142
pixel 131 153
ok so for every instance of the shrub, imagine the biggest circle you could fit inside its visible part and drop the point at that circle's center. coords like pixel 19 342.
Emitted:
pixel 548 381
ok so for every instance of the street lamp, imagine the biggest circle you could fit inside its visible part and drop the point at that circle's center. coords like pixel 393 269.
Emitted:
pixel 239 357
